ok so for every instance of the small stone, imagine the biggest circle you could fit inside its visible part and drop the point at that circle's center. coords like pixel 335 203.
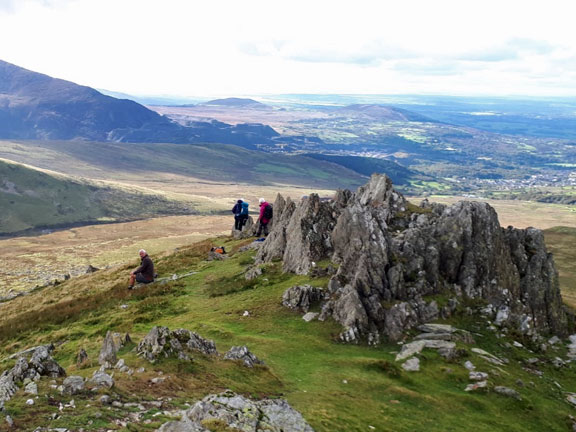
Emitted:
pixel 124 306
pixel 505 391
pixel 476 386
pixel 30 402
pixel 468 365
pixel 105 399
pixel 344 381
pixel 242 353
pixel 141 370
pixel 246 313
pixel 31 388
pixel 157 380
pixel 117 404
pixel 9 421
pixel 478 376
pixel 554 340
pixel 310 316
pixel 517 344
pixel 411 365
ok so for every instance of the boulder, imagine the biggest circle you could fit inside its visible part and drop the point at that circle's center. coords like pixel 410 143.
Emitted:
pixel 73 385
pixel 240 413
pixel 101 380
pixel 243 354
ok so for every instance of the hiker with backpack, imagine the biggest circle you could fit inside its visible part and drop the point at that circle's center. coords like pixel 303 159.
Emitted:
pixel 143 274
pixel 240 211
pixel 265 217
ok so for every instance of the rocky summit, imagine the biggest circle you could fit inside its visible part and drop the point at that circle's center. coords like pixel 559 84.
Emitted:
pixel 400 265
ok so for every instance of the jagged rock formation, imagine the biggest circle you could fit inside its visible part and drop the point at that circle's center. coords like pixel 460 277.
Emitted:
pixel 394 258
pixel 240 413
pixel 161 342
pixel 39 364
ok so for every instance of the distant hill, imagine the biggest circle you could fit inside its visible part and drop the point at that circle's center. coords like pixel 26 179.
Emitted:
pixel 237 103
pixel 367 166
pixel 386 113
pixel 36 106
pixel 34 199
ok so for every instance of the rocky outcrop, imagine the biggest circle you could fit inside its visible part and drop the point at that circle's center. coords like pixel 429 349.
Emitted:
pixel 240 413
pixel 160 342
pixel 394 258
pixel 39 364
pixel 243 354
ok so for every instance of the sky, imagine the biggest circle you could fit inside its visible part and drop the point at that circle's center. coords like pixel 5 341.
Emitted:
pixel 196 48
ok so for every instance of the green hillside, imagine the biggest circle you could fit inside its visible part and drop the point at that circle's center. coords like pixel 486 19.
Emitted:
pixel 213 162
pixel 337 387
pixel 35 199
pixel 367 166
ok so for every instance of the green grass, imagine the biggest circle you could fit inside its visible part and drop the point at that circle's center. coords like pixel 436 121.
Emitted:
pixel 31 199
pixel 337 387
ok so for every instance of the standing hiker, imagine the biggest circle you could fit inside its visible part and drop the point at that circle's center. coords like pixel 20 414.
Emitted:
pixel 237 210
pixel 265 217
pixel 244 214
pixel 143 274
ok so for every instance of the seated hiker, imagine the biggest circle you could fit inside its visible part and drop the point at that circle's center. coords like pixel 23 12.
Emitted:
pixel 144 273
pixel 237 210
pixel 265 217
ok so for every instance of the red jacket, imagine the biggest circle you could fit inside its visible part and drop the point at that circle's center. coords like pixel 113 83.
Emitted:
pixel 261 217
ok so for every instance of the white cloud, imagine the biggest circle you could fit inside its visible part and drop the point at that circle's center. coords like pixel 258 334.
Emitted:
pixel 228 47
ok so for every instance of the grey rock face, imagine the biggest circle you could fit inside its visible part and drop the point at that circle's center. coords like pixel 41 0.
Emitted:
pixel 302 297
pixel 243 353
pixel 391 255
pixel 160 342
pixel 240 413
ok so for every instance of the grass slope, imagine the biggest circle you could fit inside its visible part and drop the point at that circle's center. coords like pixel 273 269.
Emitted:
pixel 211 162
pixel 337 387
pixel 32 199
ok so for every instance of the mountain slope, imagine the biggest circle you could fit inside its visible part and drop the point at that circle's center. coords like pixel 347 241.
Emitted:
pixel 32 199
pixel 336 387
pixel 36 106
pixel 213 162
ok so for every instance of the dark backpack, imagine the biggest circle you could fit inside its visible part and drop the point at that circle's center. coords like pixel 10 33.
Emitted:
pixel 268 212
